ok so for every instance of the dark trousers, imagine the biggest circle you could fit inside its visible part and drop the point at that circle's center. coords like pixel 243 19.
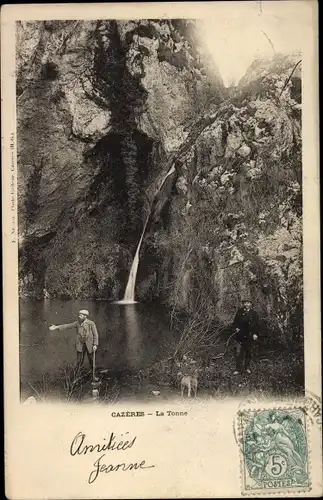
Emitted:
pixel 243 355
pixel 80 357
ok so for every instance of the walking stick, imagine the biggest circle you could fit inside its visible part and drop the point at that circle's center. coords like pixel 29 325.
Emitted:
pixel 93 367
pixel 95 384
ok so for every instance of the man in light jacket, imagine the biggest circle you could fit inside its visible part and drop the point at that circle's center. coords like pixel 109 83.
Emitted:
pixel 87 338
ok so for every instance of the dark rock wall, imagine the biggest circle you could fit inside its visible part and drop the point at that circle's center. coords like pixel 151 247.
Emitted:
pixel 101 105
pixel 104 109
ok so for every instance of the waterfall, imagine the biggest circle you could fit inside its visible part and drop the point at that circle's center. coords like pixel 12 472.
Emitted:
pixel 129 296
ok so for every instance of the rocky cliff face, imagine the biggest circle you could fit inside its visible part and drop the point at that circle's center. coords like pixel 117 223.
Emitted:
pixel 101 105
pixel 104 109
pixel 235 225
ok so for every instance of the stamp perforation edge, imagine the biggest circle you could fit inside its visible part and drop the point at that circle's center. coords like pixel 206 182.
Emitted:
pixel 276 492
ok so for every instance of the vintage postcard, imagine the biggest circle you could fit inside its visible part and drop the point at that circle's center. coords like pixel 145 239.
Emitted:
pixel 160 190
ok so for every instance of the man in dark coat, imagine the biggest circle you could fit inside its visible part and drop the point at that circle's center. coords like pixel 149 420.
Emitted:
pixel 87 338
pixel 246 324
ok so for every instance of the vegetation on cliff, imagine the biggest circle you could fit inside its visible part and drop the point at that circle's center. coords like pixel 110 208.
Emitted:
pixel 103 109
pixel 100 106
pixel 235 223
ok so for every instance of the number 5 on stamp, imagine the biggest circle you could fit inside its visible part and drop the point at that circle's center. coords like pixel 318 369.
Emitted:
pixel 274 450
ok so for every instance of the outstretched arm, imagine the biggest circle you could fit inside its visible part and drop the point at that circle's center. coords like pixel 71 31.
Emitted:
pixel 63 327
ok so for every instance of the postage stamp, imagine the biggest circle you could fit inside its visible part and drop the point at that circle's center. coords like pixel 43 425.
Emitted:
pixel 274 451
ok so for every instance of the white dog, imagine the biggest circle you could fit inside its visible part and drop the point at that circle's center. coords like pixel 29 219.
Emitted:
pixel 189 383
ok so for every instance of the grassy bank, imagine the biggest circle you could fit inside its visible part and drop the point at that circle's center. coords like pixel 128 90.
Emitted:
pixel 274 372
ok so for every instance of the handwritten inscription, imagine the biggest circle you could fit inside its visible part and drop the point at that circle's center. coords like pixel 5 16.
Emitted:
pixel 99 467
pixel 80 447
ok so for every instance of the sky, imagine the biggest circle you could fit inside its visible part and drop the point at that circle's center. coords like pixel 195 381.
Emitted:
pixel 235 35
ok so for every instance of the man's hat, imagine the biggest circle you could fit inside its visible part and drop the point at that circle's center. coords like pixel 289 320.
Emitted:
pixel 84 311
pixel 246 300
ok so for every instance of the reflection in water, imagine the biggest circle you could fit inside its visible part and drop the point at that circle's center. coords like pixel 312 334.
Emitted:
pixel 46 307
pixel 134 337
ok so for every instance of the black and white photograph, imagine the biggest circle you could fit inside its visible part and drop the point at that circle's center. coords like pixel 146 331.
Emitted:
pixel 159 211
pixel 161 250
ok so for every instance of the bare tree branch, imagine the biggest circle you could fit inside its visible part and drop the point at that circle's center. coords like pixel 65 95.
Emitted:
pixel 290 76
pixel 271 43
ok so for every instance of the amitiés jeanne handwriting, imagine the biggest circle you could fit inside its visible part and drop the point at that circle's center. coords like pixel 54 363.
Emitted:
pixel 78 447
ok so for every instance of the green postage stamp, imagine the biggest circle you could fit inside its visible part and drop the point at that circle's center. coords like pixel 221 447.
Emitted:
pixel 274 450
